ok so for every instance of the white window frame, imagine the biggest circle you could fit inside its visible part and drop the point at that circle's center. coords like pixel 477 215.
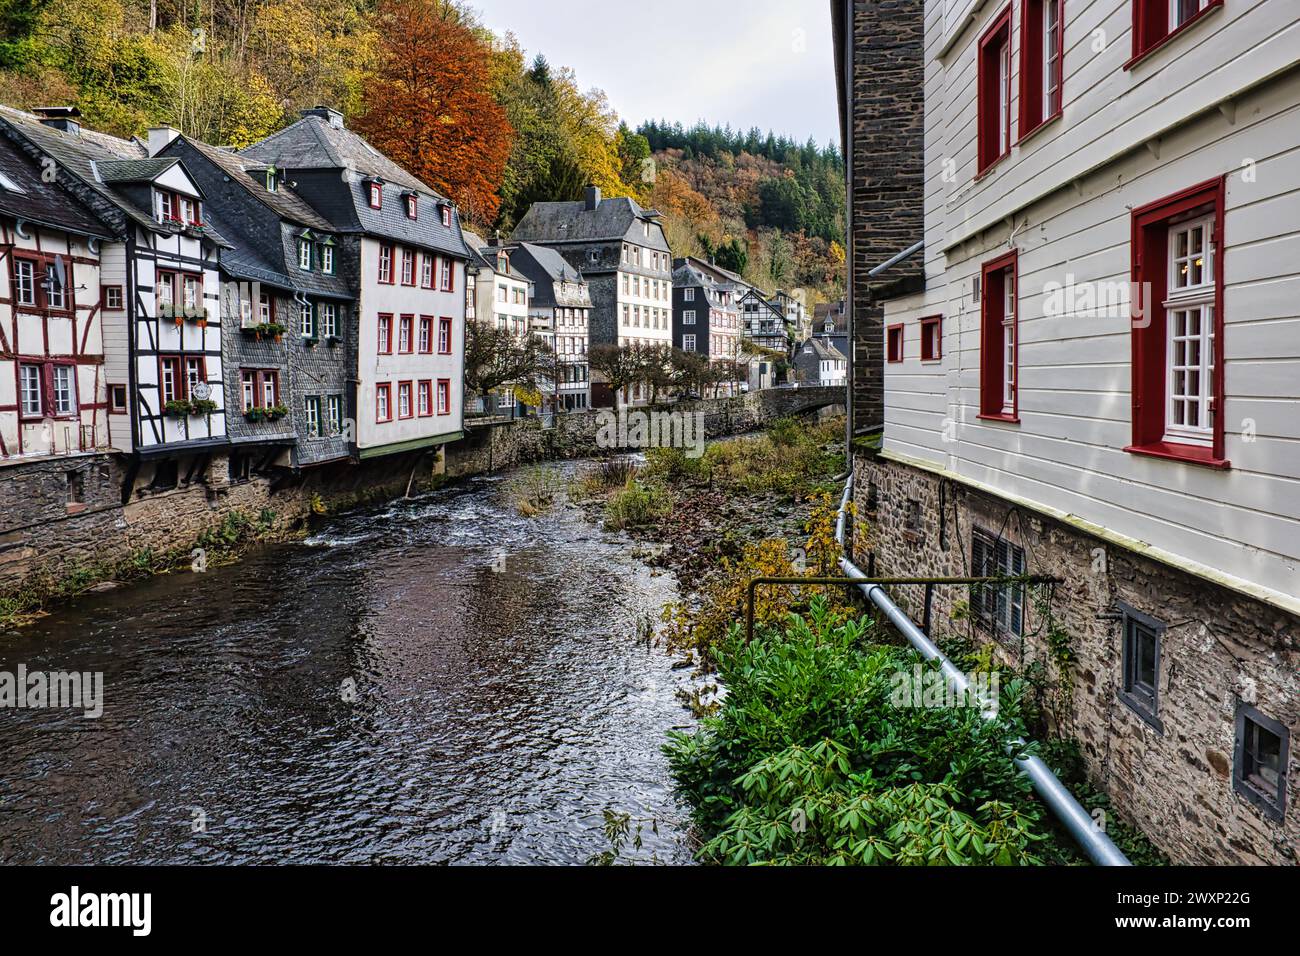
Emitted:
pixel 1009 343
pixel 1175 8
pixel 311 412
pixel 688 343
pixel 25 281
pixel 304 254
pixel 31 395
pixel 306 320
pixel 63 385
pixel 1190 354
pixel 329 319
pixel 688 317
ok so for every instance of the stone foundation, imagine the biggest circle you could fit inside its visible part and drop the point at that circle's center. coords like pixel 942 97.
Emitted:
pixel 1221 648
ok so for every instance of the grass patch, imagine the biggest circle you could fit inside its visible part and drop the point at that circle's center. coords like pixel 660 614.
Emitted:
pixel 637 505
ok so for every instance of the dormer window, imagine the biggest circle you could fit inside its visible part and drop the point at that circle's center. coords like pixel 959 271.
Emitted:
pixel 167 209
pixel 376 195
pixel 304 254
pixel 270 179
pixel 446 216
pixel 412 209
pixel 503 263
pixel 327 258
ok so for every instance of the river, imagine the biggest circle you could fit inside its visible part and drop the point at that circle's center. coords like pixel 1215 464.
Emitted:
pixel 437 680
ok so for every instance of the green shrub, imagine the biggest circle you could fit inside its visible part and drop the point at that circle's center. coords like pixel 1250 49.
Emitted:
pixel 809 761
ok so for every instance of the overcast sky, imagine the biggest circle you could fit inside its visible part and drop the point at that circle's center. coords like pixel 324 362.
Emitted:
pixel 764 63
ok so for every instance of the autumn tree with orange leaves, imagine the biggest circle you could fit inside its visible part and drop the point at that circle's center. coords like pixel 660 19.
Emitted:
pixel 430 105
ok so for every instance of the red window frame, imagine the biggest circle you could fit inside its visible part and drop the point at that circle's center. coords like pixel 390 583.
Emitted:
pixel 406 324
pixel 385 251
pixel 412 206
pixel 428 267
pixel 894 343
pixel 41 264
pixel 182 380
pixel 1033 65
pixel 447 274
pixel 426 335
pixel 375 195
pixel 1151 26
pixel 407 388
pixel 385 330
pixel 443 403
pixel 444 325
pixel 408 267
pixel 45 379
pixel 424 397
pixel 446 216
pixel 992 355
pixel 927 353
pixel 169 277
pixel 1150 271
pixel 990 150
pixel 386 389
pixel 260 376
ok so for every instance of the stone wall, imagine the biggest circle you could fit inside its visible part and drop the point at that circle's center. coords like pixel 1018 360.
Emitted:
pixel 1220 648
pixel 576 435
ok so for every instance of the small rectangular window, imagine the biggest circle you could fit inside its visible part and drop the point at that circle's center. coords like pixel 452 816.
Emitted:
pixel 334 413
pixel 30 377
pixel 1140 687
pixel 444 396
pixel 688 343
pixel 1260 762
pixel 1155 21
pixel 113 300
pixel 385 325
pixel 425 399
pixel 65 389
pixel 405 344
pixel 444 336
pixel 1041 51
pixel 117 399
pixel 386 265
pixel 25 281
pixel 304 254
pixel 404 407
pixel 894 343
pixel 384 403
pixel 327 259
pixel 999 340
pixel 376 196
pixel 329 320
pixel 932 338
pixel 412 207
pixel 997 608
pixel 994 92
pixel 311 414
pixel 408 267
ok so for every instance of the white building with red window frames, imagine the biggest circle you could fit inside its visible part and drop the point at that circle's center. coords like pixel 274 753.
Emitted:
pixel 401 245
pixel 1091 368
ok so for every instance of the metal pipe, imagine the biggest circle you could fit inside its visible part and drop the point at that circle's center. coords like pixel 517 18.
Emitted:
pixel 894 260
pixel 1090 837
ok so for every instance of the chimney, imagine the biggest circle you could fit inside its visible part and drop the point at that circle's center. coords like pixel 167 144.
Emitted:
pixel 60 117
pixel 593 197
pixel 331 116
pixel 159 137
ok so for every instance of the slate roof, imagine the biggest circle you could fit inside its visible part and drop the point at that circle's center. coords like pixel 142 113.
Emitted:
pixel 134 170
pixel 611 221
pixel 86 154
pixel 317 145
pixel 823 350
pixel 551 262
pixel 548 271
pixel 487 256
pixel 46 204
pixel 284 201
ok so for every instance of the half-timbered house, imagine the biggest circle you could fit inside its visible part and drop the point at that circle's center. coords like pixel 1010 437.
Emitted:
pixel 162 335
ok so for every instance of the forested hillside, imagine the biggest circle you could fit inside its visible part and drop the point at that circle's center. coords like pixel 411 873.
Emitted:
pixel 483 121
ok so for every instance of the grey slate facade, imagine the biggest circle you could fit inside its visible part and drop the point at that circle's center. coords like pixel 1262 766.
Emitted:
pixel 257 204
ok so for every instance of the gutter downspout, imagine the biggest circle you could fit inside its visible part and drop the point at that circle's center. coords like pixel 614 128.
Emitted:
pixel 1091 838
